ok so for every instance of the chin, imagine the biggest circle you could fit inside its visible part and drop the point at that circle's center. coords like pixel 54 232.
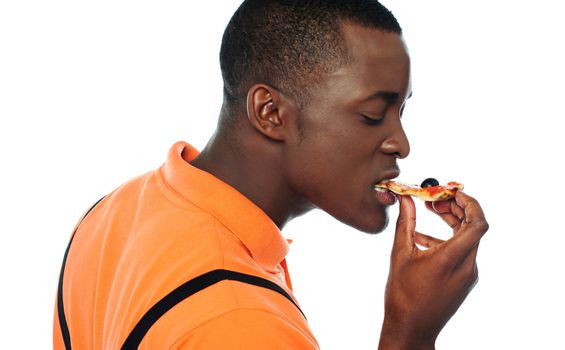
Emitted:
pixel 370 224
pixel 365 218
pixel 375 229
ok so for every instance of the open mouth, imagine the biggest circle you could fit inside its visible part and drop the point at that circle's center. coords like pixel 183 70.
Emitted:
pixel 384 195
pixel 380 189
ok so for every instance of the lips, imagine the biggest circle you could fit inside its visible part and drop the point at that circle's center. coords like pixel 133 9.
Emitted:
pixel 383 195
pixel 387 175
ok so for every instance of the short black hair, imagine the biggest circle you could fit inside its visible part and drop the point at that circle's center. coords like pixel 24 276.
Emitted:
pixel 289 44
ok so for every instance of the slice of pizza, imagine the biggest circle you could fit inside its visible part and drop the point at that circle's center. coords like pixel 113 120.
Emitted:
pixel 426 192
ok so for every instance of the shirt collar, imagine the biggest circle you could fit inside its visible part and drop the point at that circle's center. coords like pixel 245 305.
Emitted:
pixel 241 216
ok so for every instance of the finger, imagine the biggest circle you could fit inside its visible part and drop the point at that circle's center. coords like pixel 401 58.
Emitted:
pixel 443 210
pixel 405 225
pixel 446 207
pixel 473 211
pixel 457 210
pixel 439 207
pixel 473 227
pixel 427 241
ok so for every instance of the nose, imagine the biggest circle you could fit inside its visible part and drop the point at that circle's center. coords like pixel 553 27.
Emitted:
pixel 397 143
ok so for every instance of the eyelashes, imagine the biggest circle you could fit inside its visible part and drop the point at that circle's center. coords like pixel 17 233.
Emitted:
pixel 372 121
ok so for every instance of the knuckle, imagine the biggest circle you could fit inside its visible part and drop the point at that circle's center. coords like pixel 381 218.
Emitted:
pixel 472 201
pixel 445 262
pixel 481 226
pixel 404 220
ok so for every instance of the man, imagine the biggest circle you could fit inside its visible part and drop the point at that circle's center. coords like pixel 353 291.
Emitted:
pixel 190 256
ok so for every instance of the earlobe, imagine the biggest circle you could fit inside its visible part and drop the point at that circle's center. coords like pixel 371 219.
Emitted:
pixel 263 111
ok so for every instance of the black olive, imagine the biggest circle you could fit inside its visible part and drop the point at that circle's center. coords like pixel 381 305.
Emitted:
pixel 429 182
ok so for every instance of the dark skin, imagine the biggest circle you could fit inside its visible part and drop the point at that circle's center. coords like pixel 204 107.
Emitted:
pixel 329 154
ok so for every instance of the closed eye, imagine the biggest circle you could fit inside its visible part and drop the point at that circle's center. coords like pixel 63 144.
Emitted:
pixel 372 121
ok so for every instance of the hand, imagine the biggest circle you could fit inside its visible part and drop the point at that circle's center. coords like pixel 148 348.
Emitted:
pixel 426 287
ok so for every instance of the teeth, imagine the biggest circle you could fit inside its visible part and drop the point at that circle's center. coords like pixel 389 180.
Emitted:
pixel 383 190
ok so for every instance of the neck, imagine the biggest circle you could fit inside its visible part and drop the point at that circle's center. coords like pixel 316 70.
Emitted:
pixel 252 165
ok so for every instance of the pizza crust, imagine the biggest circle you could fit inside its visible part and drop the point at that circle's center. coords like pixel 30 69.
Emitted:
pixel 428 194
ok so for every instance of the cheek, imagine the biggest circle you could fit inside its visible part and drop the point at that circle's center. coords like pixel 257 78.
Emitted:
pixel 333 155
pixel 313 174
pixel 308 166
pixel 329 177
pixel 333 165
pixel 336 180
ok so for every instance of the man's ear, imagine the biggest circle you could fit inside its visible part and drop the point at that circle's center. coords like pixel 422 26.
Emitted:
pixel 266 111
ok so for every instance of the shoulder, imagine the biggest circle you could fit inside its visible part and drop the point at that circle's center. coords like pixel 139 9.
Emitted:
pixel 247 328
pixel 232 313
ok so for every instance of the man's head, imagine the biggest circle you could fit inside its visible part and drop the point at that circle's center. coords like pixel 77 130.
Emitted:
pixel 291 44
pixel 316 89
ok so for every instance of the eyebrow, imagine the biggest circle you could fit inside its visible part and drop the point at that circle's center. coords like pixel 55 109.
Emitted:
pixel 388 96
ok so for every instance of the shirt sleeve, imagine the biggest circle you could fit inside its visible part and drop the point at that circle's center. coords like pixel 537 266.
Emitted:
pixel 248 329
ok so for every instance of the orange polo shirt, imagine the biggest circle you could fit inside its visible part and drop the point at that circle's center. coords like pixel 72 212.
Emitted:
pixel 155 233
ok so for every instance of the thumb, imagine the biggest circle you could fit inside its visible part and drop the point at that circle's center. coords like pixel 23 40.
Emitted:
pixel 405 225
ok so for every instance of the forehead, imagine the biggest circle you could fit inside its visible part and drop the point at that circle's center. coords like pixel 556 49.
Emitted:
pixel 378 61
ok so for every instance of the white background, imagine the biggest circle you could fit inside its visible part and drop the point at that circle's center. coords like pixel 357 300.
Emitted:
pixel 94 93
